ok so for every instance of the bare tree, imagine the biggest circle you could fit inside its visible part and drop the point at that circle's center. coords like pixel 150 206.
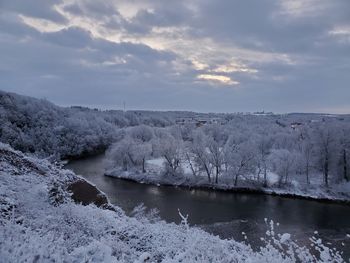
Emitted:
pixel 216 157
pixel 200 153
pixel 189 158
pixel 121 153
pixel 171 150
pixel 344 147
pixel 263 145
pixel 142 133
pixel 140 153
pixel 241 160
pixel 306 157
pixel 324 141
pixel 283 162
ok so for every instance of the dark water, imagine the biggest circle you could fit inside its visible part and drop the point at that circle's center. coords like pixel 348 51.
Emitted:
pixel 226 214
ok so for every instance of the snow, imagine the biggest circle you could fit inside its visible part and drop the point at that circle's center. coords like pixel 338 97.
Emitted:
pixel 242 146
pixel 35 125
pixel 144 258
pixel 272 178
pixel 156 176
pixel 158 163
pixel 39 222
pixel 284 238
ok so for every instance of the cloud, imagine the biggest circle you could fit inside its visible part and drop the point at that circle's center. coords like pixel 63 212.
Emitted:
pixel 283 55
pixel 218 79
pixel 234 67
pixel 33 8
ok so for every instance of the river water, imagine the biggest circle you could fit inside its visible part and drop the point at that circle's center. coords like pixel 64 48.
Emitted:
pixel 226 214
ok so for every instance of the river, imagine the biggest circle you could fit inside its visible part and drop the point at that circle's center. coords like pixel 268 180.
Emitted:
pixel 223 213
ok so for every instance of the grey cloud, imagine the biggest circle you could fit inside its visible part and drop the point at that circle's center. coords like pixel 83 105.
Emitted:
pixel 71 66
pixel 34 8
pixel 172 14
pixel 260 25
pixel 12 25
pixel 93 8
pixel 70 37
pixel 50 65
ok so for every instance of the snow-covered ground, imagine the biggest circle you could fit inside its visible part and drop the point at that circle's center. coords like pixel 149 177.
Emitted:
pixel 154 175
pixel 39 222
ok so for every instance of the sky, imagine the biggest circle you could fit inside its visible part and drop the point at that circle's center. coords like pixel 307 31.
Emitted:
pixel 198 55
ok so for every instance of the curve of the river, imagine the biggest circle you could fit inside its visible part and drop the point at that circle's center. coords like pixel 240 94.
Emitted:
pixel 225 214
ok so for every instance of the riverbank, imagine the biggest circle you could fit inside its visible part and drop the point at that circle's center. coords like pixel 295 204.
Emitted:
pixel 335 194
pixel 41 222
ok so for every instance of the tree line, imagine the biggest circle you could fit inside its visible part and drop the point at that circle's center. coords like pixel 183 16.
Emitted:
pixel 313 152
pixel 44 129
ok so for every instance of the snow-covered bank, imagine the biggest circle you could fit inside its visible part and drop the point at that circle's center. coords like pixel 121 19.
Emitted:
pixel 40 222
pixel 335 193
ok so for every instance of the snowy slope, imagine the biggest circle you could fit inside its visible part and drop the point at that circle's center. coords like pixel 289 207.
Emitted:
pixel 40 222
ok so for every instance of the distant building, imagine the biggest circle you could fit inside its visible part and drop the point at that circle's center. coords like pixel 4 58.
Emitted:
pixel 262 113
pixel 185 120
pixel 199 121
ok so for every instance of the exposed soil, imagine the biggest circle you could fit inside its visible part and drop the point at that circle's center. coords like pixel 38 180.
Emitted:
pixel 85 193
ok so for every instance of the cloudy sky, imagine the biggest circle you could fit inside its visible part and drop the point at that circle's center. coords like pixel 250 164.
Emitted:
pixel 201 55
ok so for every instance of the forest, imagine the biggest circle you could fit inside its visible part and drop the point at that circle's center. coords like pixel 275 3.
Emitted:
pixel 290 152
pixel 239 149
pixel 303 155
pixel 40 127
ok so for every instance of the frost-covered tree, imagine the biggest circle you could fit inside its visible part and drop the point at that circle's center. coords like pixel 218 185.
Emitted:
pixel 325 142
pixel 189 159
pixel 306 157
pixel 170 149
pixel 305 152
pixel 132 118
pixel 264 145
pixel 141 151
pixel 121 153
pixel 240 160
pixel 216 157
pixel 142 133
pixel 344 151
pixel 199 153
pixel 284 164
pixel 129 153
pixel 40 127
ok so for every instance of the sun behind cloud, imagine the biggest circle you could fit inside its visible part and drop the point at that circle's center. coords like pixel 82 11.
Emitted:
pixel 218 79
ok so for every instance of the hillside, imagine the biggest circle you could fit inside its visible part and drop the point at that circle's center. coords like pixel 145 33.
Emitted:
pixel 38 126
pixel 39 217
